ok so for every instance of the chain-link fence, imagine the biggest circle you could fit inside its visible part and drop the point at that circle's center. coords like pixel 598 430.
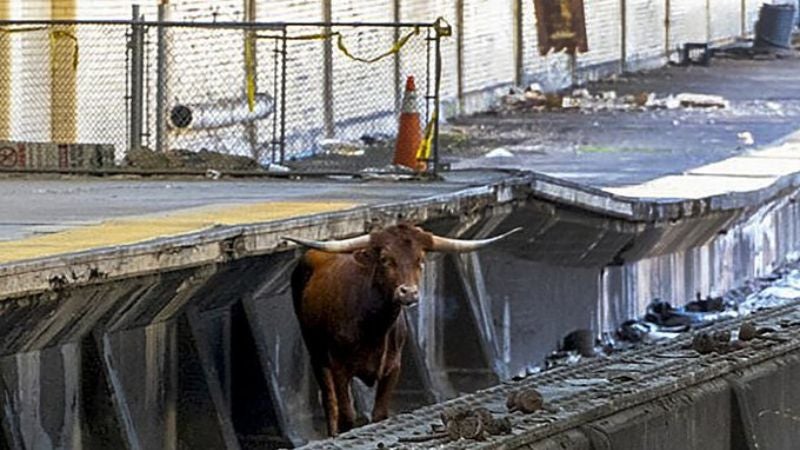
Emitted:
pixel 218 97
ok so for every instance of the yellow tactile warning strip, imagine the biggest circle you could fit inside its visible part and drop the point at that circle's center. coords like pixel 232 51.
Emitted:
pixel 132 230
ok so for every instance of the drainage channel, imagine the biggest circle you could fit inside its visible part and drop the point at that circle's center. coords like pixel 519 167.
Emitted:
pixel 578 398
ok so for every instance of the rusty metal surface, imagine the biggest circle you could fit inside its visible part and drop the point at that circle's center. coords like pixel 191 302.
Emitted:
pixel 589 391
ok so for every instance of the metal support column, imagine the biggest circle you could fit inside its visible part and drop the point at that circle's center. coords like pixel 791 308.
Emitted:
pixel 137 80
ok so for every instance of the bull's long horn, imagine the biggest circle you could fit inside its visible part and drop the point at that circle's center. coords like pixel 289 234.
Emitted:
pixel 443 244
pixel 340 246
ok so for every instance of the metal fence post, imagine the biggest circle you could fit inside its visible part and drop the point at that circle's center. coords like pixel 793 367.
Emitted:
pixel 519 44
pixel 460 55
pixel 327 65
pixel 283 92
pixel 137 79
pixel 251 70
pixel 436 99
pixel 161 80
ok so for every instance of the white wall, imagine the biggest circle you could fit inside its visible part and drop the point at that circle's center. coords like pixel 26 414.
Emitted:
pixel 209 66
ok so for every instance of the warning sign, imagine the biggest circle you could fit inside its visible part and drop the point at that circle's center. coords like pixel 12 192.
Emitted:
pixel 8 157
pixel 561 25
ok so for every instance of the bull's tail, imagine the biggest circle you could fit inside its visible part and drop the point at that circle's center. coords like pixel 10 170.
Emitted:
pixel 300 277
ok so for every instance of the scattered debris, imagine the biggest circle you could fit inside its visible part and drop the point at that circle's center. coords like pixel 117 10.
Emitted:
pixel 533 98
pixel 665 316
pixel 526 401
pixel 389 172
pixel 747 331
pixel 213 174
pixel 689 100
pixel 473 423
pixel 581 342
pixel 499 152
pixel 341 147
pixel 717 342
pixel 147 159
pixel 746 138
pixel 277 168
pixel 715 304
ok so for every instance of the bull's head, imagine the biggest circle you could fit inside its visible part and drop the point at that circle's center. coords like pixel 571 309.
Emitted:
pixel 396 255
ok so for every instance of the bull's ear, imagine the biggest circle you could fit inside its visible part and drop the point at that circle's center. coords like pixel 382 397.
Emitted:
pixel 364 256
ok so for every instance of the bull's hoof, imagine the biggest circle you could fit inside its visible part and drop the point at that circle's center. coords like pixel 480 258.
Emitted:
pixel 361 421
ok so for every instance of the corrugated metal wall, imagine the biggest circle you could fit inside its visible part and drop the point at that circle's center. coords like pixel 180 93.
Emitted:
pixel 653 29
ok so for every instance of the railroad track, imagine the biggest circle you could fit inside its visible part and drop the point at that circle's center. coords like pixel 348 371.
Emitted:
pixel 588 391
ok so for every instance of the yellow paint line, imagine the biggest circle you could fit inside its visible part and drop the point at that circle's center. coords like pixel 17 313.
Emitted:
pixel 132 230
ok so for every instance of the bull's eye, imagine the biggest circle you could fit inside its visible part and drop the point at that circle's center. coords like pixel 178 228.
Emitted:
pixel 386 261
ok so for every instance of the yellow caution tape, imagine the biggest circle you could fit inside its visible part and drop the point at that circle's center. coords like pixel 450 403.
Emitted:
pixel 54 36
pixel 61 34
pixel 395 48
pixel 440 27
pixel 424 151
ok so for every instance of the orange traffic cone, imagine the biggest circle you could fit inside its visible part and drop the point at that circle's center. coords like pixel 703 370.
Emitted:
pixel 409 135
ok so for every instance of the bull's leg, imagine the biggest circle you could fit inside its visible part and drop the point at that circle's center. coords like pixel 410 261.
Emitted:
pixel 383 394
pixel 328 386
pixel 344 395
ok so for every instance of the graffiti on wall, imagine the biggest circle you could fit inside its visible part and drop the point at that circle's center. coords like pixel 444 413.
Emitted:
pixel 561 26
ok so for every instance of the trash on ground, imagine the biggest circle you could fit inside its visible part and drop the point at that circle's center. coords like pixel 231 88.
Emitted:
pixel 499 152
pixel 277 168
pixel 746 138
pixel 526 401
pixel 341 147
pixel 689 100
pixel 533 98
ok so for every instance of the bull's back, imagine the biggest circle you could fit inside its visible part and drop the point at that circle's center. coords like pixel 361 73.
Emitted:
pixel 317 286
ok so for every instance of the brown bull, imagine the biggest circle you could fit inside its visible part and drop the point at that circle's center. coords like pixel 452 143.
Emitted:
pixel 348 297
